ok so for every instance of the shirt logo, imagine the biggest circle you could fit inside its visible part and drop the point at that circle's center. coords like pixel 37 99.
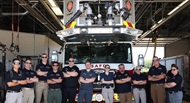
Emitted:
pixel 160 68
pixel 57 74
pixel 126 74
pixel 48 67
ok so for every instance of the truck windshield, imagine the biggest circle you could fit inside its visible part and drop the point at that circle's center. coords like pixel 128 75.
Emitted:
pixel 99 53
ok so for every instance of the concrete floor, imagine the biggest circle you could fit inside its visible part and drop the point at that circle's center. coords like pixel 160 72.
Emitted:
pixel 185 102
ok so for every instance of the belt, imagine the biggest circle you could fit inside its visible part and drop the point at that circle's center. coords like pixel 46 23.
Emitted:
pixel 107 87
pixel 139 88
pixel 43 81
pixel 27 88
pixel 171 92
pixel 54 89
pixel 157 84
pixel 11 91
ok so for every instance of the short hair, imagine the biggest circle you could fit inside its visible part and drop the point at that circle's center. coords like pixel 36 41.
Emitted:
pixel 157 57
pixel 43 54
pixel 107 66
pixel 175 66
pixel 87 62
pixel 121 65
pixel 28 58
pixel 15 59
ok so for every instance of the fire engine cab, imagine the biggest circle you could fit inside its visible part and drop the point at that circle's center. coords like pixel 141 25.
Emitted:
pixel 100 31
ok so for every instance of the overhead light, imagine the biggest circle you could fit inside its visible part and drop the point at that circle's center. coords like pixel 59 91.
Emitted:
pixel 160 20
pixel 52 3
pixel 153 26
pixel 57 11
pixel 176 8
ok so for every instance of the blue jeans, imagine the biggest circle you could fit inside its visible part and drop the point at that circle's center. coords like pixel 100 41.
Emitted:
pixel 176 97
pixel 85 95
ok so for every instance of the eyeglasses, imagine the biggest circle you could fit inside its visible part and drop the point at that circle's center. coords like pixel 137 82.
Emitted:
pixel 71 60
pixel 28 63
pixel 107 67
pixel 44 57
pixel 138 69
pixel 16 63
pixel 174 69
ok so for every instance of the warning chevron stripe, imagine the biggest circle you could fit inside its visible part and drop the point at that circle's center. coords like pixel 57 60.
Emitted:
pixel 71 25
pixel 128 24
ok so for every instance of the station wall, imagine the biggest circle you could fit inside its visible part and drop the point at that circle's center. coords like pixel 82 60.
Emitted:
pixel 181 47
pixel 30 45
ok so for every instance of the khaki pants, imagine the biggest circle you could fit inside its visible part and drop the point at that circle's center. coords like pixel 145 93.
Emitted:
pixel 28 95
pixel 158 93
pixel 14 97
pixel 41 87
pixel 125 97
pixel 108 95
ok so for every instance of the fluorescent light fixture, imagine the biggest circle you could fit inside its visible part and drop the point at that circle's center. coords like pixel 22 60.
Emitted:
pixel 153 26
pixel 57 11
pixel 52 3
pixel 176 8
pixel 160 20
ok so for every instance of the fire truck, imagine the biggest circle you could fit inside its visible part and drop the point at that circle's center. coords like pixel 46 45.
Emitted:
pixel 100 31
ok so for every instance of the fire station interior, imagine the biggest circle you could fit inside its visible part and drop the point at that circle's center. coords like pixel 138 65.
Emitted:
pixel 28 28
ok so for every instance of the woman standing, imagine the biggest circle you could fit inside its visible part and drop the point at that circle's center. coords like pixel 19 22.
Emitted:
pixel 174 85
pixel 139 81
pixel 107 80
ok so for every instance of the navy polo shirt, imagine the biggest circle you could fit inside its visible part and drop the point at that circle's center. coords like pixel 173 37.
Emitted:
pixel 29 74
pixel 87 74
pixel 54 75
pixel 67 81
pixel 43 68
pixel 108 77
pixel 157 71
pixel 16 76
pixel 139 77
pixel 178 80
pixel 125 87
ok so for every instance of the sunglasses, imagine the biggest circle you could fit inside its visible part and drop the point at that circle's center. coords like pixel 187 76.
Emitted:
pixel 28 63
pixel 44 57
pixel 154 60
pixel 71 60
pixel 55 65
pixel 138 69
pixel 174 69
pixel 16 63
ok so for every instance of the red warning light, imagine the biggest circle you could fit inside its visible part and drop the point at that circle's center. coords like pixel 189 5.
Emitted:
pixel 70 6
pixel 128 5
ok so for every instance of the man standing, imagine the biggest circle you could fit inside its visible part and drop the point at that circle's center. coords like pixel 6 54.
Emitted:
pixel 14 79
pixel 54 79
pixel 86 79
pixel 70 82
pixel 42 86
pixel 123 85
pixel 156 75
pixel 31 77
